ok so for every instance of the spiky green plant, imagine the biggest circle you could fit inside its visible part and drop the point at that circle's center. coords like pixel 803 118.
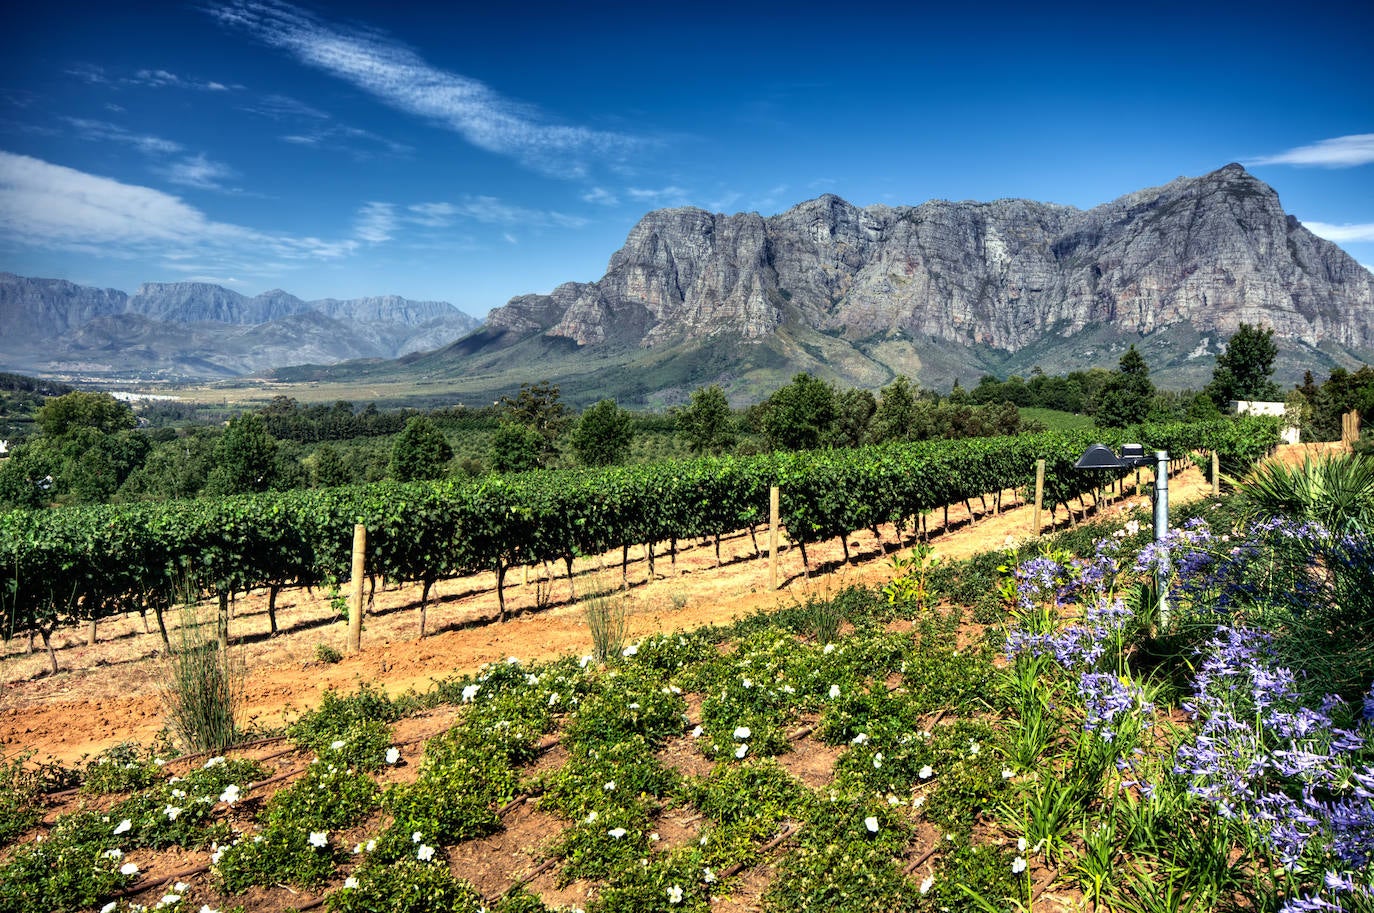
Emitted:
pixel 605 616
pixel 1336 491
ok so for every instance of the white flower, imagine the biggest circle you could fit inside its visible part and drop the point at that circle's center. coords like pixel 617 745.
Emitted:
pixel 1018 865
pixel 591 817
pixel 926 773
pixel 178 794
pixel 918 801
pixel 872 824
pixel 128 868
pixel 1021 844
pixel 742 750
pixel 708 876
pixel 585 660
pixel 531 678
pixel 357 849
pixel 425 853
pixel 112 905
pixel 616 832
pixel 829 648
pixel 169 899
pixel 631 650
pixel 470 692
pixel 336 744
pixel 113 853
pixel 416 837
pixel 230 794
pixel 553 698
pixel 351 881
pixel 675 894
pixel 973 747
pixel 393 754
pixel 877 760
pixel 216 852
pixel 788 689
pixel 927 884
pixel 654 837
pixel 206 908
pixel 369 846
pixel 609 787
pixel 748 682
pixel 214 762
pixel 319 839
pixel 742 732
pixel 834 691
pixel 123 826
pixel 1008 773
pixel 696 733
pixel 635 705
pixel 171 812
pixel 859 739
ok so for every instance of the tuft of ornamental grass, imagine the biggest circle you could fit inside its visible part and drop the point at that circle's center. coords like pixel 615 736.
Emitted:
pixel 605 616
pixel 202 687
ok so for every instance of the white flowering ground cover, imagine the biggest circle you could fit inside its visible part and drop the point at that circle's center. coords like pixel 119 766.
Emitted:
pixel 1079 752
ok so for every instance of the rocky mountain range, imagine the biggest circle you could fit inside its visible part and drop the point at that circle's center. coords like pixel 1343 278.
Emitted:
pixel 948 290
pixel 198 330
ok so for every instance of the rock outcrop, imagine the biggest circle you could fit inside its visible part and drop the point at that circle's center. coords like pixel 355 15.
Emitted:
pixel 1210 252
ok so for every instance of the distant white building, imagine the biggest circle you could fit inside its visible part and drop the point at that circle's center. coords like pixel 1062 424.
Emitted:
pixel 4 448
pixel 1290 434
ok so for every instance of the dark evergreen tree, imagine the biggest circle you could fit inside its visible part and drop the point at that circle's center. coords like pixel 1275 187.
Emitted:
pixel 602 436
pixel 707 424
pixel 1243 371
pixel 1128 394
pixel 420 452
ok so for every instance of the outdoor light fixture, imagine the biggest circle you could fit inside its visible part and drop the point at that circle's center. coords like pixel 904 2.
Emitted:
pixel 1100 456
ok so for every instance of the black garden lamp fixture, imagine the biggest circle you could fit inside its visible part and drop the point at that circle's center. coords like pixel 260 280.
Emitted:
pixel 1100 456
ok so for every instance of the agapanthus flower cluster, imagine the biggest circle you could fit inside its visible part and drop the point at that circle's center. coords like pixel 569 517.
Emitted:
pixel 1261 755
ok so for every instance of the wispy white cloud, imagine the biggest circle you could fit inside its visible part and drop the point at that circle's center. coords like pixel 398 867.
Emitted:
pixel 47 205
pixel 601 196
pixel 313 127
pixel 162 79
pixel 1348 232
pixel 1339 152
pixel 402 79
pixel 493 211
pixel 96 75
pixel 199 172
pixel 375 223
pixel 662 196
pixel 105 132
pixel 510 238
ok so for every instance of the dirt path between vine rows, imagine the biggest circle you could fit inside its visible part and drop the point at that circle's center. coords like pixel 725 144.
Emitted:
pixel 110 692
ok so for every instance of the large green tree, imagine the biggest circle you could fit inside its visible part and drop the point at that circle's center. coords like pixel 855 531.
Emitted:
pixel 81 409
pixel 538 408
pixel 244 458
pixel 801 415
pixel 1244 370
pixel 1128 394
pixel 420 452
pixel 516 448
pixel 602 436
pixel 707 424
pixel 895 417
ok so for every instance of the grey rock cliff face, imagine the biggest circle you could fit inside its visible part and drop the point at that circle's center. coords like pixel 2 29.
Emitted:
pixel 1211 252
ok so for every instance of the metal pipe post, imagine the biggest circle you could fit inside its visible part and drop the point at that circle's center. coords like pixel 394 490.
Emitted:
pixel 1162 527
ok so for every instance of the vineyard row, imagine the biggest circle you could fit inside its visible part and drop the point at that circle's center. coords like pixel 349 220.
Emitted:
pixel 62 566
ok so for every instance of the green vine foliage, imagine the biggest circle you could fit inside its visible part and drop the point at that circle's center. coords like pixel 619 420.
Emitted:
pixel 66 565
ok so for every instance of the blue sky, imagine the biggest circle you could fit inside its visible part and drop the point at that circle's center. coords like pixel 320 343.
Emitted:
pixel 471 154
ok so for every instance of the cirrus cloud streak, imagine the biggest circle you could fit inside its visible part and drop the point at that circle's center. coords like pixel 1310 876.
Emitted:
pixel 402 79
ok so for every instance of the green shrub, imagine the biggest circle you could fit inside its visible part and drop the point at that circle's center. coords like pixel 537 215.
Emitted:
pixel 201 688
pixel 406 886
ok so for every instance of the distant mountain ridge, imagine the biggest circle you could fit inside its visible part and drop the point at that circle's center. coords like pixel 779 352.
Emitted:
pixel 200 330
pixel 946 290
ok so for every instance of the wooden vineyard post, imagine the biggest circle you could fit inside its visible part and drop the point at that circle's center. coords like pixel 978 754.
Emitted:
pixel 355 595
pixel 773 513
pixel 1039 496
pixel 1216 474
